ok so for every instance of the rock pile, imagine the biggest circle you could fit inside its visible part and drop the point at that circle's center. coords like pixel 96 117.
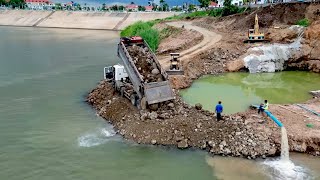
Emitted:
pixel 145 63
pixel 178 124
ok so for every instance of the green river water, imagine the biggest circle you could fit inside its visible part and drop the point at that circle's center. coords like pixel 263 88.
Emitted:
pixel 48 132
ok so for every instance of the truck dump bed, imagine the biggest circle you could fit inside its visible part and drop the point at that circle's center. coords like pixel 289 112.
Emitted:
pixel 144 70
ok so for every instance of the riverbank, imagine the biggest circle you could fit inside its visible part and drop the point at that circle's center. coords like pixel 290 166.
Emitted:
pixel 77 19
pixel 241 134
pixel 181 125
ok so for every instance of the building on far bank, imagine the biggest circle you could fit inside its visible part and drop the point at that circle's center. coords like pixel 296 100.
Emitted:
pixel 39 4
pixel 233 2
pixel 213 5
pixel 149 8
pixel 132 7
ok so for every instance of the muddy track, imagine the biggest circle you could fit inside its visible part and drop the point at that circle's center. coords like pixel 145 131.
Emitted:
pixel 209 40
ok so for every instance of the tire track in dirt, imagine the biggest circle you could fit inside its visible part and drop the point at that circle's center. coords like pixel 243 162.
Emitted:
pixel 209 40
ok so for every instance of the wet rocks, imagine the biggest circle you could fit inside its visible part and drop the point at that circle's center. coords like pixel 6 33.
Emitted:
pixel 198 106
pixel 183 144
pixel 153 142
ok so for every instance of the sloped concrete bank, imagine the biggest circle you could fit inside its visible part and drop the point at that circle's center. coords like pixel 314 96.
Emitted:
pixel 77 19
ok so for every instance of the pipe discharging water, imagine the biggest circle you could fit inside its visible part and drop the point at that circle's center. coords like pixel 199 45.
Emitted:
pixel 284 168
pixel 284 145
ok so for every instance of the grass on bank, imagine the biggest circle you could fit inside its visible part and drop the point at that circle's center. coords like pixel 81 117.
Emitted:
pixel 145 30
pixel 153 37
pixel 304 22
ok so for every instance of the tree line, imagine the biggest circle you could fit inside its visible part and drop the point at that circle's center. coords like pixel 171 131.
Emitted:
pixel 13 3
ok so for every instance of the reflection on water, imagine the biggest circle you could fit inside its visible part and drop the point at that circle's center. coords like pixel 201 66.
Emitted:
pixel 238 90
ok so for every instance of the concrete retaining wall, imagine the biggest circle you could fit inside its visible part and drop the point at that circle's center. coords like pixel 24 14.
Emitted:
pixel 21 17
pixel 77 19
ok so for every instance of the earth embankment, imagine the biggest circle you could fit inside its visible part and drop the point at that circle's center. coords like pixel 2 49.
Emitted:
pixel 242 134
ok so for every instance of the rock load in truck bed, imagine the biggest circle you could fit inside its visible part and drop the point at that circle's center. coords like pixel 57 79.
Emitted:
pixel 142 58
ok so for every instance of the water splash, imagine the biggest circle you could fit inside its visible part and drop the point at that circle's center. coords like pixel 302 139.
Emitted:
pixel 96 138
pixel 284 168
pixel 284 145
pixel 280 169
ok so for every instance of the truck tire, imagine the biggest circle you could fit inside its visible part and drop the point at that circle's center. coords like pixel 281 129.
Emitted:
pixel 133 99
pixel 122 91
pixel 143 103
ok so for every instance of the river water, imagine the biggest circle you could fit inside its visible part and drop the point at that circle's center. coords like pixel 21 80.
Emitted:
pixel 47 131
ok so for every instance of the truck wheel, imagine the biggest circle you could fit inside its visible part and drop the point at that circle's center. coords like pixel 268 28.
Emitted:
pixel 122 91
pixel 133 99
pixel 143 103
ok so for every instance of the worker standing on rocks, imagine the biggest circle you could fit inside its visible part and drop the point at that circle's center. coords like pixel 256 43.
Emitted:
pixel 219 110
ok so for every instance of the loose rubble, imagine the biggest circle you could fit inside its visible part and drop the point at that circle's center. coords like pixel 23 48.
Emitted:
pixel 179 124
pixel 145 63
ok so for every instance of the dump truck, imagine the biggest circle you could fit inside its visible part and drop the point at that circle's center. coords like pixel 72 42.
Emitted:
pixel 132 80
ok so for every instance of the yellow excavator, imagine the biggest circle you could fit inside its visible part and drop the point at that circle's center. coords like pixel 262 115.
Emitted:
pixel 254 35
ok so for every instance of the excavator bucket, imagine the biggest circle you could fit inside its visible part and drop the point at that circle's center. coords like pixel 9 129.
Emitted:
pixel 175 72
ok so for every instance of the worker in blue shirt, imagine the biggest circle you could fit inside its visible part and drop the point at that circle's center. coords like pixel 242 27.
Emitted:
pixel 219 110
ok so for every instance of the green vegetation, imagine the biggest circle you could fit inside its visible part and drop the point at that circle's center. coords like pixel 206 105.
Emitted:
pixel 14 3
pixel 204 3
pixel 145 30
pixel 166 32
pixel 304 22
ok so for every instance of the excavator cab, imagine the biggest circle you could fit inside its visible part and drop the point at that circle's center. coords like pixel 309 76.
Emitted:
pixel 175 65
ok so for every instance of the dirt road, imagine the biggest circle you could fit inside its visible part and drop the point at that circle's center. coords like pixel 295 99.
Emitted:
pixel 209 39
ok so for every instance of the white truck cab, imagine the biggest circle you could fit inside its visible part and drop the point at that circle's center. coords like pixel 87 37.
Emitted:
pixel 115 72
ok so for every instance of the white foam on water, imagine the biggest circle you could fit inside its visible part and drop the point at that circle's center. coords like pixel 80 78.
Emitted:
pixel 280 169
pixel 284 145
pixel 283 168
pixel 96 138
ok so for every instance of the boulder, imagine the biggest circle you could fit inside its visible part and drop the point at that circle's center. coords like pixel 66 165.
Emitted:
pixel 171 105
pixel 183 144
pixel 153 115
pixel 153 141
pixel 236 65
pixel 155 71
pixel 198 106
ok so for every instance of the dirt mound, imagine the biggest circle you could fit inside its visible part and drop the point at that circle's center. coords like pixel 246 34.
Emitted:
pixel 272 15
pixel 178 42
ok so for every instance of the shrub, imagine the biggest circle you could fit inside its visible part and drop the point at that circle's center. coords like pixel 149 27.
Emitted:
pixel 303 22
pixel 216 12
